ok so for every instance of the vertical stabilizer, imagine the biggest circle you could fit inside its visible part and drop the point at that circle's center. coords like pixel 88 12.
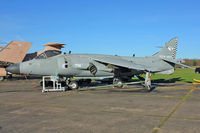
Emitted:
pixel 169 50
pixel 14 52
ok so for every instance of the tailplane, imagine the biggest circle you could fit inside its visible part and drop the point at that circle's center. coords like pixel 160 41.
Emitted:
pixel 169 50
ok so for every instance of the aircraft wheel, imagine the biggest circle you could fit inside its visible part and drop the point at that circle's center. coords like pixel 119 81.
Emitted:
pixel 9 76
pixel 197 70
pixel 117 82
pixel 73 85
pixel 148 87
pixel 1 78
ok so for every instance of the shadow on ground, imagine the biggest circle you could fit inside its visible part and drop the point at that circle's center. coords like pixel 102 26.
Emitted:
pixel 17 90
pixel 173 80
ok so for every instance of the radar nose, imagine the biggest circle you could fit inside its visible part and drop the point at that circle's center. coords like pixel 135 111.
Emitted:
pixel 14 68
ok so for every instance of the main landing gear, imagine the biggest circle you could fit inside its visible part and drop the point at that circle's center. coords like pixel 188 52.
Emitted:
pixel 147 83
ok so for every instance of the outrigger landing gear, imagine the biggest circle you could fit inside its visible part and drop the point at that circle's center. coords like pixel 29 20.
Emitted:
pixel 148 81
pixel 118 82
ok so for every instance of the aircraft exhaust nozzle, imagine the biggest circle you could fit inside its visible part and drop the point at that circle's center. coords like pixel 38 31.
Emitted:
pixel 92 68
pixel 14 68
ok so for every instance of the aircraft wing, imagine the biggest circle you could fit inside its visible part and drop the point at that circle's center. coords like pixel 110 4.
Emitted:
pixel 119 62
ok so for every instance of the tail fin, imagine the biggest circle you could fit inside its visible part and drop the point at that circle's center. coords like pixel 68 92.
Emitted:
pixel 14 52
pixel 170 49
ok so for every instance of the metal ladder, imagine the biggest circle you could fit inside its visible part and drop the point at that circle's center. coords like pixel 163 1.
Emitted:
pixel 56 85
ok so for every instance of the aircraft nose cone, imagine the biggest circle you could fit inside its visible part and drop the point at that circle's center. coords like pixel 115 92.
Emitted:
pixel 14 68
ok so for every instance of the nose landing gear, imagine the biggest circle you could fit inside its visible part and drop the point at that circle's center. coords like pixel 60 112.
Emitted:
pixel 73 85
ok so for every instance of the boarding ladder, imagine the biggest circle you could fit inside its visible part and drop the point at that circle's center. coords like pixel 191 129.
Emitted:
pixel 56 85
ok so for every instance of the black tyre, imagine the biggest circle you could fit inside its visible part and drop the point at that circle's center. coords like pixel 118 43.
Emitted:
pixel 1 78
pixel 9 76
pixel 88 81
pixel 197 70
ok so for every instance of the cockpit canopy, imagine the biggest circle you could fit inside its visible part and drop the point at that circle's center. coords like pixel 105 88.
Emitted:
pixel 47 54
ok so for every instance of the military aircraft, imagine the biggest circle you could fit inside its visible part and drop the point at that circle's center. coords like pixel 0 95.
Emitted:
pixel 88 66
pixel 14 52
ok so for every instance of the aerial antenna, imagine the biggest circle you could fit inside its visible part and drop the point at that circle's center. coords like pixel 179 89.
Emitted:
pixel 67 49
pixel 159 47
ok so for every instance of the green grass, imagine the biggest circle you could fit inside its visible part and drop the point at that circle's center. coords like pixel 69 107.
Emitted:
pixel 180 75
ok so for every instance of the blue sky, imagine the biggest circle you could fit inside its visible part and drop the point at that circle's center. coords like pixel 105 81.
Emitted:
pixel 111 27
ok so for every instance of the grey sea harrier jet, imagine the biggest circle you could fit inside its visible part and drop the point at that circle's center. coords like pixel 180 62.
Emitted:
pixel 87 66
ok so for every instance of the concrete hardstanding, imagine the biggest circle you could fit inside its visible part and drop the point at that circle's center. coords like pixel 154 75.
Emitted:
pixel 171 108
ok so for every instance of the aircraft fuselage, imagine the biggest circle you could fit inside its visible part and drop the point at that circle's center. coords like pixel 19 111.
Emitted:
pixel 78 65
